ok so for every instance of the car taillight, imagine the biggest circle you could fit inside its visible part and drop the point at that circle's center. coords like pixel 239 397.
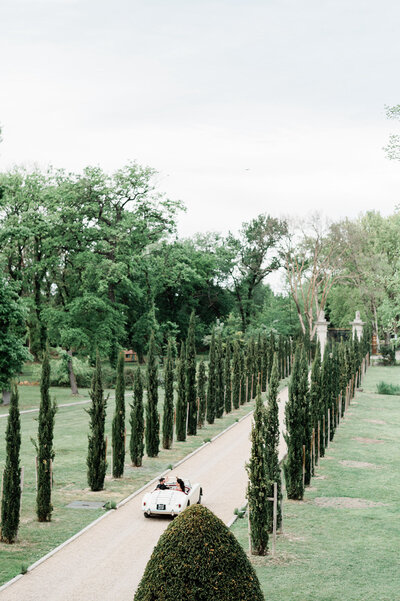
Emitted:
pixel 179 505
pixel 144 502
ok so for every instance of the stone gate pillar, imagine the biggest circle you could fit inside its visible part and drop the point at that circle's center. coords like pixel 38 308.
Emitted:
pixel 322 331
pixel 357 326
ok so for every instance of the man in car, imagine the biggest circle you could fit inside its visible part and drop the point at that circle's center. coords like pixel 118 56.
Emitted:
pixel 161 485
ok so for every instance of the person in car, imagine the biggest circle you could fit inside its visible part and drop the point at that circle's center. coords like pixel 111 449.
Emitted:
pixel 161 484
pixel 181 484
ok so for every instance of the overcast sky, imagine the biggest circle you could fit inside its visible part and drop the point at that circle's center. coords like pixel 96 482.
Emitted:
pixel 243 106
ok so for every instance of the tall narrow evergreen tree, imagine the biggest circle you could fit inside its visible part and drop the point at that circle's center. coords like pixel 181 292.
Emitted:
pixel 168 414
pixel 211 391
pixel 306 415
pixel 136 446
pixel 181 404
pixel 294 436
pixel 45 452
pixel 248 367
pixel 254 368
pixel 219 378
pixel 243 376
pixel 324 399
pixel 264 363
pixel 96 458
pixel 271 352
pixel 152 418
pixel 258 485
pixel 228 378
pixel 259 353
pixel 236 371
pixel 118 423
pixel 11 500
pixel 201 393
pixel 191 378
pixel 272 469
pixel 315 395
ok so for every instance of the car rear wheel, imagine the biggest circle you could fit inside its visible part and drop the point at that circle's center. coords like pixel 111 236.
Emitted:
pixel 146 515
pixel 200 495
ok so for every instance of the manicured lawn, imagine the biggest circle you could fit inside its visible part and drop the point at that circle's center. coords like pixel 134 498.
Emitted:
pixel 345 552
pixel 71 429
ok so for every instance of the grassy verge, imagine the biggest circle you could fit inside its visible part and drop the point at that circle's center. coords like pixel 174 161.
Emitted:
pixel 343 541
pixel 71 429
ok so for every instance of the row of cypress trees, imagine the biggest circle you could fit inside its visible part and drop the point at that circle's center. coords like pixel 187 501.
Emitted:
pixel 314 410
pixel 11 497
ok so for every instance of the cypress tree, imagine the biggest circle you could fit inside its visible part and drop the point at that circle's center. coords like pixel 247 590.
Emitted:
pixel 271 352
pixel 315 396
pixel 272 469
pixel 248 366
pixel 118 423
pixel 11 500
pixel 219 378
pixel 211 382
pixel 191 378
pixel 236 372
pixel 343 376
pixel 264 363
pixel 228 378
pixel 306 415
pixel 152 418
pixel 254 368
pixel 168 415
pixel 96 458
pixel 243 381
pixel 258 485
pixel 259 361
pixel 181 405
pixel 136 446
pixel 294 436
pixel 44 447
pixel 325 398
pixel 201 393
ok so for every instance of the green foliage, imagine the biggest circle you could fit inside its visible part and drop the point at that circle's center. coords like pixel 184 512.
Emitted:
pixel 219 378
pixel 44 447
pixel 10 502
pixel 136 446
pixel 315 394
pixel 96 457
pixel 211 392
pixel 388 354
pixel 191 378
pixel 197 558
pixel 236 375
pixel 228 378
pixel 152 418
pixel 294 417
pixel 168 414
pixel 181 404
pixel 201 393
pixel 118 424
pixel 272 468
pixel 12 351
pixel 385 388
pixel 257 490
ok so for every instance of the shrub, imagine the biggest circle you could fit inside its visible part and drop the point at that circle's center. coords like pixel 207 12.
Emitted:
pixel 198 559
pixel 388 355
pixel 385 388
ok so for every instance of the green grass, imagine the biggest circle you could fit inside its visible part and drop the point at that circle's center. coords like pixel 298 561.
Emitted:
pixel 344 554
pixel 70 440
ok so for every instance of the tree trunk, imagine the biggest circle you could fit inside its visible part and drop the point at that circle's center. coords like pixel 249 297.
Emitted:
pixel 6 397
pixel 72 377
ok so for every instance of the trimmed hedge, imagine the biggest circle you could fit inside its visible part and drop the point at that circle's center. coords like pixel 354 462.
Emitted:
pixel 198 559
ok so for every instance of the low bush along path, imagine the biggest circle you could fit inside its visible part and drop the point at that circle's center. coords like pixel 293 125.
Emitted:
pixel 342 543
pixel 108 560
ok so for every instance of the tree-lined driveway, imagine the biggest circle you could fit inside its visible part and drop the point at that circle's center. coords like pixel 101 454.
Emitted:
pixel 107 561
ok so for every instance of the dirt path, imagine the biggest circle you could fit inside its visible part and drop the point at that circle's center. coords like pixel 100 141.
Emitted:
pixel 107 561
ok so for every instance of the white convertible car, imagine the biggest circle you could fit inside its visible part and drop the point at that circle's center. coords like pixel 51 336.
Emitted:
pixel 171 500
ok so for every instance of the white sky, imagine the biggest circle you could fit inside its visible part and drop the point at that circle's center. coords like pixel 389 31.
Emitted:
pixel 243 106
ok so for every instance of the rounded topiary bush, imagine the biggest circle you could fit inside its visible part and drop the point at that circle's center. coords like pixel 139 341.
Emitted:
pixel 198 559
